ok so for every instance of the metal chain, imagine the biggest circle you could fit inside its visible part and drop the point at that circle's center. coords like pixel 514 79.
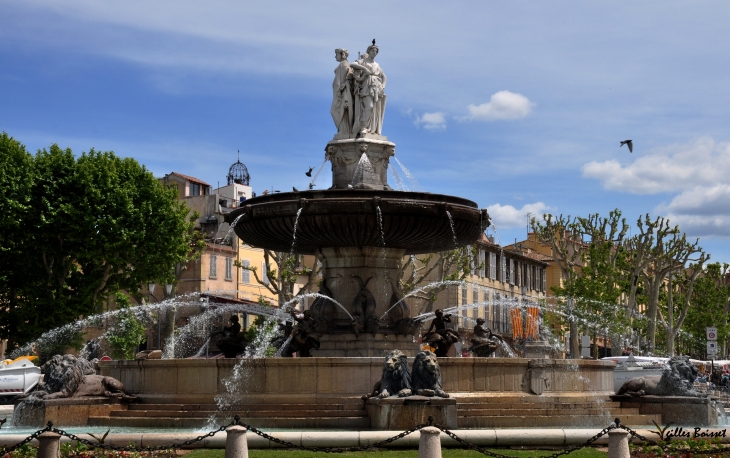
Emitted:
pixel 361 448
pixel 565 451
pixel 35 435
pixel 139 449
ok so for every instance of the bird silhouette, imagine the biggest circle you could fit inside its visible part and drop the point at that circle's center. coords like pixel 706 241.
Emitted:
pixel 2 422
pixel 309 173
pixel 311 185
pixel 629 143
pixel 294 189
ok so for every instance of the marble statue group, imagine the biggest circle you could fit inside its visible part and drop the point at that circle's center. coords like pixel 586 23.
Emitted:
pixel 358 99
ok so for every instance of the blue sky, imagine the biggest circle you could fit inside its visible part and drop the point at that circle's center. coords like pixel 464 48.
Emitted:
pixel 519 106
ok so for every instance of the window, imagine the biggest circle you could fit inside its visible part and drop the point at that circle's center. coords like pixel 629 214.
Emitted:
pixel 229 269
pixel 493 266
pixel 245 273
pixel 213 269
pixel 264 273
pixel 503 269
pixel 475 299
pixel 482 264
pixel 194 189
pixel 463 301
pixel 544 281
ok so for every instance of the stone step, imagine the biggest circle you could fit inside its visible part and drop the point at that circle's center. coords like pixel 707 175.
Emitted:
pixel 538 405
pixel 544 412
pixel 341 423
pixel 247 407
pixel 586 421
pixel 241 413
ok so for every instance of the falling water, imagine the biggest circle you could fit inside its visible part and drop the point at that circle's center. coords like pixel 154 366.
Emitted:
pixel 283 346
pixel 414 183
pixel 294 235
pixel 398 180
pixel 314 178
pixel 363 166
pixel 453 230
pixel 308 295
pixel 380 226
pixel 204 349
pixel 424 288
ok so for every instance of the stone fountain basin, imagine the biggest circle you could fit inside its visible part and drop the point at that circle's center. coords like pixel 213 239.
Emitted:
pixel 416 222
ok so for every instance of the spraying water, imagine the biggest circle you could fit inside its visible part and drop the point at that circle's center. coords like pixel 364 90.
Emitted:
pixel 294 235
pixel 398 180
pixel 453 230
pixel 414 183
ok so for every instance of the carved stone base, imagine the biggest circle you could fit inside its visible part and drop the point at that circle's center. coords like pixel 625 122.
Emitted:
pixel 367 345
pixel 680 410
pixel 539 349
pixel 345 154
pixel 396 414
pixel 64 412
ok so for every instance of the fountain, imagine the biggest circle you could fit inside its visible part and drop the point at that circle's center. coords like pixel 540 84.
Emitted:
pixel 361 230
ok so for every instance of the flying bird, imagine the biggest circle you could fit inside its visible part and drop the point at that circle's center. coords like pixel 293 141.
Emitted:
pixel 309 173
pixel 294 189
pixel 311 185
pixel 628 143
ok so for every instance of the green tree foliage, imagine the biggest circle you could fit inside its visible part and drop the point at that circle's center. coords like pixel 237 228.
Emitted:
pixel 710 300
pixel 77 229
pixel 127 332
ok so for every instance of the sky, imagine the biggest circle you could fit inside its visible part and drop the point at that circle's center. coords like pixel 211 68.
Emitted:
pixel 519 106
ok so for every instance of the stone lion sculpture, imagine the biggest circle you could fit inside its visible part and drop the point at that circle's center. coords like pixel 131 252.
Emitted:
pixel 396 378
pixel 426 376
pixel 68 376
pixel 676 380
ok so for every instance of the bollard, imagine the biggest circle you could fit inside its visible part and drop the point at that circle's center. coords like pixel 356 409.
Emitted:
pixel 49 445
pixel 618 444
pixel 236 443
pixel 429 446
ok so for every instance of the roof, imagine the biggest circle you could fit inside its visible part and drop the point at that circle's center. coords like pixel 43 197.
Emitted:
pixel 538 256
pixel 189 178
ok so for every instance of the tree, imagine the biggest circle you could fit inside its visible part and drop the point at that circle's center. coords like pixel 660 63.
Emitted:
pixel 589 253
pixel 127 332
pixel 444 266
pixel 93 225
pixel 282 271
pixel 559 234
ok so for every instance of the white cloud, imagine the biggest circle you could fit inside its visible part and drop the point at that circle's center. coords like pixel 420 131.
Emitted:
pixel 703 162
pixel 503 105
pixel 507 216
pixel 432 121
pixel 701 211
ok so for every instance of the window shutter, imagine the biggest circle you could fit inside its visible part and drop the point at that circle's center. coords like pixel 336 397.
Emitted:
pixel 245 274
pixel 264 274
pixel 511 272
pixel 493 266
pixel 213 266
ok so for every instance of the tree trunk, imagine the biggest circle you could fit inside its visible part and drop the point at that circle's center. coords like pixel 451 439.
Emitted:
pixel 574 341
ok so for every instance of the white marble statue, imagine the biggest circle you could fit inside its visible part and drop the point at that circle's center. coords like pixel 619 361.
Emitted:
pixel 369 93
pixel 343 108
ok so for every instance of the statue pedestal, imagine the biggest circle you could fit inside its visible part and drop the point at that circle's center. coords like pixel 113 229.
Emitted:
pixel 367 345
pixel 64 412
pixel 680 410
pixel 396 414
pixel 345 152
pixel 537 350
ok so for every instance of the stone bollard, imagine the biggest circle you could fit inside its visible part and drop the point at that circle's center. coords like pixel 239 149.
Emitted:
pixel 236 443
pixel 618 444
pixel 49 445
pixel 429 446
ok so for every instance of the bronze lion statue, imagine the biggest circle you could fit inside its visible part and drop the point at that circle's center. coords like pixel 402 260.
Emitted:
pixel 426 376
pixel 396 378
pixel 677 379
pixel 68 376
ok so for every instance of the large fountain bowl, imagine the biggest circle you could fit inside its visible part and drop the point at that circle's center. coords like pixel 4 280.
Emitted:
pixel 417 222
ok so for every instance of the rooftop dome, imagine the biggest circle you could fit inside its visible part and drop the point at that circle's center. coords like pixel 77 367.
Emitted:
pixel 238 173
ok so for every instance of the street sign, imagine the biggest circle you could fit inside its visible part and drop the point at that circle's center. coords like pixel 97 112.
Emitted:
pixel 711 348
pixel 711 333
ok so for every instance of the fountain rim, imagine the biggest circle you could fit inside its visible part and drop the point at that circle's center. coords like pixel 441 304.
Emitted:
pixel 347 194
